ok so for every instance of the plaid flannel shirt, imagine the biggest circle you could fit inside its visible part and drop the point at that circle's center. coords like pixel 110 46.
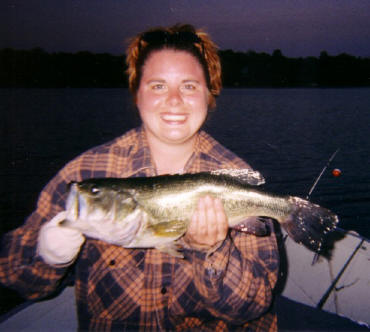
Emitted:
pixel 145 289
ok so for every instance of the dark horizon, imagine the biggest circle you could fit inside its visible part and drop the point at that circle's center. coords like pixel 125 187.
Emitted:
pixel 40 69
pixel 324 50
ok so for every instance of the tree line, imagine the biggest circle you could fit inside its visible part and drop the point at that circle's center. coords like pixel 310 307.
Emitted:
pixel 37 68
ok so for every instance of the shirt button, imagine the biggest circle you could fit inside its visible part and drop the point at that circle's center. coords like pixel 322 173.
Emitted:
pixel 212 272
pixel 164 290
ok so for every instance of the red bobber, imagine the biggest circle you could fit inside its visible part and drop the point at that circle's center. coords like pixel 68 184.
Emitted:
pixel 336 172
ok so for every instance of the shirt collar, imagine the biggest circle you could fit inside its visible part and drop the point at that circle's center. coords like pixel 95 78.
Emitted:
pixel 143 165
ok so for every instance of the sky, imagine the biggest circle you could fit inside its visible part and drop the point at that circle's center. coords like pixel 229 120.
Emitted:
pixel 299 28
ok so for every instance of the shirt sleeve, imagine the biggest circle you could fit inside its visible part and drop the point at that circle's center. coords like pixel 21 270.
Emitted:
pixel 20 266
pixel 236 282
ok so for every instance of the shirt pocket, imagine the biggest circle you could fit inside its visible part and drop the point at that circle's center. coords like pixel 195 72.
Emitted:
pixel 114 281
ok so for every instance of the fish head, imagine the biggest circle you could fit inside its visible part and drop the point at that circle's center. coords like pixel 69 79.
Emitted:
pixel 101 209
pixel 98 200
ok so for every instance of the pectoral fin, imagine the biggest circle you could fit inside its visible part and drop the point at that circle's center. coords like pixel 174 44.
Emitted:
pixel 173 228
pixel 170 249
pixel 252 225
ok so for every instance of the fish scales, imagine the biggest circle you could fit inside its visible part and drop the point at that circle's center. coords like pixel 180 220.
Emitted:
pixel 237 197
pixel 155 211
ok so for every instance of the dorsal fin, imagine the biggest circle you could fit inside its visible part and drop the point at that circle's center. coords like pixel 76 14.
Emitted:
pixel 247 175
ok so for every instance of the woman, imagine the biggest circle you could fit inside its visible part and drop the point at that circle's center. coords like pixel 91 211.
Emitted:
pixel 226 280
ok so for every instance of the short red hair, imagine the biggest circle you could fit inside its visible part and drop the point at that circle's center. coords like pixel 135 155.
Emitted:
pixel 201 47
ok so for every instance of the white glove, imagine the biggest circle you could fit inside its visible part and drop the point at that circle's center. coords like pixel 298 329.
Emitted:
pixel 58 244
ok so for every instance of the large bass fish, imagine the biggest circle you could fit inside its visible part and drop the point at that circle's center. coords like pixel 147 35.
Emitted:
pixel 155 211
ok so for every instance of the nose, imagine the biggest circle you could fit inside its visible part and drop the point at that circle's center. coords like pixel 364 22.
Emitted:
pixel 174 97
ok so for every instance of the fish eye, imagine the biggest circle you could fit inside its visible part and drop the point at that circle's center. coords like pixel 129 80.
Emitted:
pixel 95 190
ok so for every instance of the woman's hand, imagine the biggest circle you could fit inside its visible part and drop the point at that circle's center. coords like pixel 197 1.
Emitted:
pixel 209 225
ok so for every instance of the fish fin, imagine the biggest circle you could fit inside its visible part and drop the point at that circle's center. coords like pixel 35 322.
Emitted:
pixel 309 223
pixel 246 175
pixel 171 249
pixel 173 228
pixel 252 225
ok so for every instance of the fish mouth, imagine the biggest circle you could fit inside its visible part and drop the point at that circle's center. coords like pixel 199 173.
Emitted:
pixel 72 202
pixel 75 204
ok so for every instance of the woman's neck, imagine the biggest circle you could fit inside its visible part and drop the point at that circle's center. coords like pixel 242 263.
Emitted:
pixel 171 159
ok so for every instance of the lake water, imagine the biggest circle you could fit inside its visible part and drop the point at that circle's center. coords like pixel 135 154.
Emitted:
pixel 287 134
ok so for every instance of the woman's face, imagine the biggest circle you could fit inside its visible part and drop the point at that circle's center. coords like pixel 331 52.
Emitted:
pixel 172 97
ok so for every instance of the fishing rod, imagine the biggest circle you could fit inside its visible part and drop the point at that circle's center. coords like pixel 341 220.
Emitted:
pixel 334 282
pixel 316 255
pixel 321 173
pixel 338 229
pixel 326 295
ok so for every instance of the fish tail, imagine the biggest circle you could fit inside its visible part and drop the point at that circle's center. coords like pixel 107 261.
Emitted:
pixel 308 223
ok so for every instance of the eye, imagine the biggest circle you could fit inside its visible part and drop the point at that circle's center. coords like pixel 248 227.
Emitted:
pixel 158 87
pixel 95 190
pixel 189 86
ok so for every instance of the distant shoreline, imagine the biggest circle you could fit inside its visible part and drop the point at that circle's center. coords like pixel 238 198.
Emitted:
pixel 37 68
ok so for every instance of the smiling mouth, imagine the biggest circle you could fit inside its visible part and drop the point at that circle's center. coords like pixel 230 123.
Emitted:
pixel 174 118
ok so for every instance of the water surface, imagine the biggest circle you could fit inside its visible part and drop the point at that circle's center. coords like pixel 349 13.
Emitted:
pixel 287 134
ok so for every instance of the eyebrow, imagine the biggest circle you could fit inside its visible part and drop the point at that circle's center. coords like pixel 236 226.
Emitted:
pixel 163 81
pixel 191 81
pixel 159 80
pixel 155 80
